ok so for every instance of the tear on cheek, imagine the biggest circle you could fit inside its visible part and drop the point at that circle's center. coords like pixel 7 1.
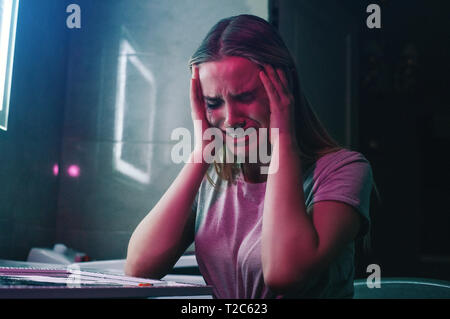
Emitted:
pixel 210 118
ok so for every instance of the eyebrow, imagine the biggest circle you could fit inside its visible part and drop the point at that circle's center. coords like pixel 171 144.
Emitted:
pixel 237 95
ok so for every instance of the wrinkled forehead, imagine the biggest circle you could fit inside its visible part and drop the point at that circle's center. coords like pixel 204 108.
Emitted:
pixel 229 75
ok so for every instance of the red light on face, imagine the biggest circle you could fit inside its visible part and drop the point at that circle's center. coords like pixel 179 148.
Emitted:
pixel 73 171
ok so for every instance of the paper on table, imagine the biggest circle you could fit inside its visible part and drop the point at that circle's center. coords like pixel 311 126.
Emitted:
pixel 54 280
pixel 74 277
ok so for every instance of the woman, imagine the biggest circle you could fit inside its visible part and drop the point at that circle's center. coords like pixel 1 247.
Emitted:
pixel 286 234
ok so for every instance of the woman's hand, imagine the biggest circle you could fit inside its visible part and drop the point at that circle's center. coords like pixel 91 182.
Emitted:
pixel 198 111
pixel 281 103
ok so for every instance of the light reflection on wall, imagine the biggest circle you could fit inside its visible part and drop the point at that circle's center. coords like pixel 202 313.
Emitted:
pixel 55 170
pixel 8 21
pixel 73 171
pixel 137 165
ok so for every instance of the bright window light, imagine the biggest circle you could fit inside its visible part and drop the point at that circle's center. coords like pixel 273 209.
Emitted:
pixel 129 59
pixel 8 21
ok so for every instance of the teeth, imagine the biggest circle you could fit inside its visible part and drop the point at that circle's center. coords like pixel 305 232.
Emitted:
pixel 238 133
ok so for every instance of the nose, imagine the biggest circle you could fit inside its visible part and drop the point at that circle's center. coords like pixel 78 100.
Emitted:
pixel 233 117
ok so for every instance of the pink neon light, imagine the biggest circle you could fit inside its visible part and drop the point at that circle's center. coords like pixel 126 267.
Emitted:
pixel 55 169
pixel 73 171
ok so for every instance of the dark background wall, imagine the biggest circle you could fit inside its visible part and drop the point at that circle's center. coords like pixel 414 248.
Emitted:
pixel 405 131
pixel 384 92
pixel 323 40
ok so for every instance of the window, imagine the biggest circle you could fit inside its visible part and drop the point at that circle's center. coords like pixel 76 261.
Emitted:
pixel 134 79
pixel 8 19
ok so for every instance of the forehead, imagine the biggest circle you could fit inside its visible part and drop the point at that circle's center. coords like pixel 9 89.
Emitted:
pixel 229 75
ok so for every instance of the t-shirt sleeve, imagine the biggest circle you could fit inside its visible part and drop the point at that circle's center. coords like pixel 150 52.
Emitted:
pixel 350 181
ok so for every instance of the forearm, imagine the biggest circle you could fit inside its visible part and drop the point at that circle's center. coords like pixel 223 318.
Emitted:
pixel 156 242
pixel 288 234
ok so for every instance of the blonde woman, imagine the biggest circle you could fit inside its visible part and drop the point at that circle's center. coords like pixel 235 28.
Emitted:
pixel 286 234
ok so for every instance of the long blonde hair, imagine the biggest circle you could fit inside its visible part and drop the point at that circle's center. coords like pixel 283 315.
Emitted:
pixel 254 38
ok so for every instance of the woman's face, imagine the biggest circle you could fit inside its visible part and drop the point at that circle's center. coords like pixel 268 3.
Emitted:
pixel 235 97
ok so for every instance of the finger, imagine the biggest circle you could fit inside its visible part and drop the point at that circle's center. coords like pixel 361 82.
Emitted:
pixel 199 86
pixel 283 79
pixel 193 91
pixel 195 84
pixel 276 81
pixel 198 103
pixel 270 89
pixel 196 72
pixel 194 95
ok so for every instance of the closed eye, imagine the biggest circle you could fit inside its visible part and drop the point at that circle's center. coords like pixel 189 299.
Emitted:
pixel 213 104
pixel 245 98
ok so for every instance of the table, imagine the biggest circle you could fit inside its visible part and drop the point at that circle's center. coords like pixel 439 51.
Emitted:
pixel 37 280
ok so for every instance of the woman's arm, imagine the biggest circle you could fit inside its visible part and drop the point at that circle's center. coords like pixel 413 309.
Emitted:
pixel 166 232
pixel 295 245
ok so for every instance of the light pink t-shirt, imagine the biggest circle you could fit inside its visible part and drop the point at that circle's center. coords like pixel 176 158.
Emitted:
pixel 229 220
